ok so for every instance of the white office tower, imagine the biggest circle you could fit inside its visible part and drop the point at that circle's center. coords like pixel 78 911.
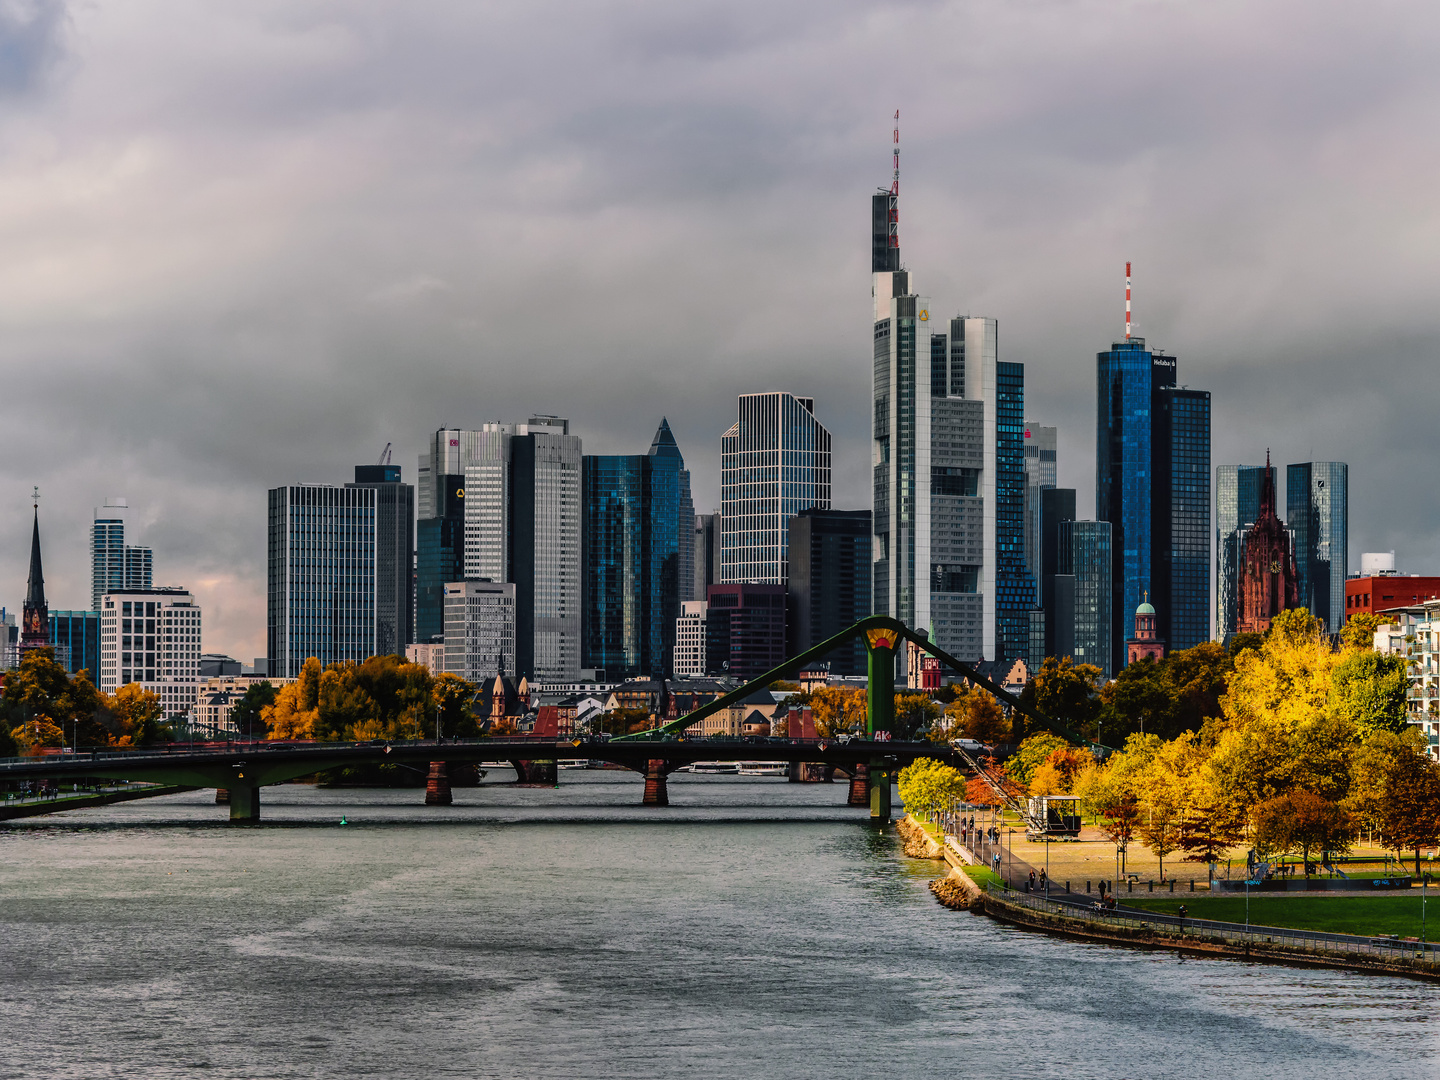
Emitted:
pixel 689 659
pixel 935 440
pixel 152 637
pixel 774 463
pixel 522 525
pixel 480 629
pixel 1040 472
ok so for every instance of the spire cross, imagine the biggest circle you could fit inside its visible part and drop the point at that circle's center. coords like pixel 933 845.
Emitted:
pixel 36 497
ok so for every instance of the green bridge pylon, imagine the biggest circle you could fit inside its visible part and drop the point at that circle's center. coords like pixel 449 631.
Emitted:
pixel 882 640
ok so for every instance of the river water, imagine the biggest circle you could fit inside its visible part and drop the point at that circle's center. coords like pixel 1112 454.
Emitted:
pixel 754 928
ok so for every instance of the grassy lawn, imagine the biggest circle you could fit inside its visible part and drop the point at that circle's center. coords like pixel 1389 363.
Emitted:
pixel 1336 914
pixel 981 876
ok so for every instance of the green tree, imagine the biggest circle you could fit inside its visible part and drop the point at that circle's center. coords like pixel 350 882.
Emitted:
pixel 245 714
pixel 1359 630
pixel 1368 689
pixel 927 785
pixel 1371 764
pixel 1064 691
pixel 1030 754
pixel 914 713
pixel 975 714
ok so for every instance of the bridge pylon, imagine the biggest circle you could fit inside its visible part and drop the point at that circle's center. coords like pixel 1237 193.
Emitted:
pixel 880 644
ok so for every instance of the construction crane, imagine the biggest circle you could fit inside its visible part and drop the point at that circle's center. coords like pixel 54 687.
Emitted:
pixel 384 456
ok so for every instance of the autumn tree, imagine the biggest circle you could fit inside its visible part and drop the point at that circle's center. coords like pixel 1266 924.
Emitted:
pixel 137 713
pixel 914 713
pixel 1057 773
pixel 1305 821
pixel 44 695
pixel 1371 764
pixel 1209 830
pixel 838 709
pixel 1359 630
pixel 452 695
pixel 927 785
pixel 975 714
pixel 1119 818
pixel 1410 804
pixel 1030 754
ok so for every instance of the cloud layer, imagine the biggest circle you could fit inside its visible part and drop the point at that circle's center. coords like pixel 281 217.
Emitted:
pixel 250 243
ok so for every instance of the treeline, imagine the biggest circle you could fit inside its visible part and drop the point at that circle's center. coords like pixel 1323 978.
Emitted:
pixel 43 705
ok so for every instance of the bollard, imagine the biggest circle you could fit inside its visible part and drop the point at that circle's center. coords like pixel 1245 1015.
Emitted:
pixel 1152 885
pixel 1132 885
pixel 1087 888
pixel 1067 886
pixel 1192 884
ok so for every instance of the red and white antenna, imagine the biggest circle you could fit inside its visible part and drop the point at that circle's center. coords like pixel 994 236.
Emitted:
pixel 895 189
pixel 1127 301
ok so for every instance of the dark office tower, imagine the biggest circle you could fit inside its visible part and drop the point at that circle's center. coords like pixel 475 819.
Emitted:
pixel 707 548
pixel 1237 506
pixel 439 556
pixel 1182 524
pixel 1317 509
pixel 829 586
pixel 1014 585
pixel 76 638
pixel 637 534
pixel 1148 435
pixel 394 556
pixel 744 629
pixel 1056 505
pixel 1086 574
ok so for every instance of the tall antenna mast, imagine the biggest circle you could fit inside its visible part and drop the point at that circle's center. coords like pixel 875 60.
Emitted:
pixel 895 190
pixel 1127 301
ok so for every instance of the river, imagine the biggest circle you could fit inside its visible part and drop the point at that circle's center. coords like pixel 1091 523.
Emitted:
pixel 754 928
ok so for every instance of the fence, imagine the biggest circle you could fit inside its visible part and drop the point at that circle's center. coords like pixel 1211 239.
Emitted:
pixel 1234 935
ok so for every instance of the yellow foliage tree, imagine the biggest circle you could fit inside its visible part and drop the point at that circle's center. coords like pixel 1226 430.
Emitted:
pixel 837 709
pixel 287 718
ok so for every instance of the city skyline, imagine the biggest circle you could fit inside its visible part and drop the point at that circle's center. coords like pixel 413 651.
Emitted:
pixel 277 281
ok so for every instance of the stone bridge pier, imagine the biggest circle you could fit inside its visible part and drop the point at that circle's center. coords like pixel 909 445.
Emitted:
pixel 437 785
pixel 657 791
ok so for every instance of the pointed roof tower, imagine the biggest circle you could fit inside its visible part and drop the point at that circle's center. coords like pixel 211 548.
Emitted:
pixel 664 445
pixel 35 629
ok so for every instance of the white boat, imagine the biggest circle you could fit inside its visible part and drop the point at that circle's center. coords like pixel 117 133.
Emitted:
pixel 716 767
pixel 576 763
pixel 764 768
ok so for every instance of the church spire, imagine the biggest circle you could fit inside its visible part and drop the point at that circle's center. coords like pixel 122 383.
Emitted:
pixel 35 630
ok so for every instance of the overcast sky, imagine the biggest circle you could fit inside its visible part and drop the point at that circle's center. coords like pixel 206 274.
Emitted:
pixel 249 243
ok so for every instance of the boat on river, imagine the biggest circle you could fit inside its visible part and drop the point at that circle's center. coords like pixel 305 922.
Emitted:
pixel 719 768
pixel 764 768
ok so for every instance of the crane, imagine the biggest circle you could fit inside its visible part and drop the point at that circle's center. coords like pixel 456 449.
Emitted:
pixel 384 456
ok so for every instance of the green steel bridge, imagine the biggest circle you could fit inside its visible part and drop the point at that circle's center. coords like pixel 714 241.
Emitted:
pixel 242 769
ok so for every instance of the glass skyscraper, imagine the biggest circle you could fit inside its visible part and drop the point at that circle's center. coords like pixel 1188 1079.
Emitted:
pixel 1152 470
pixel 774 462
pixel 638 539
pixel 1015 594
pixel 1317 510
pixel 1086 566
pixel 439 556
pixel 114 565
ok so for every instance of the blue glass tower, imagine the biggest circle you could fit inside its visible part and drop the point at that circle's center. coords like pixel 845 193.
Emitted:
pixel 1014 584
pixel 1151 436
pixel 638 525
pixel 1317 509
pixel 439 556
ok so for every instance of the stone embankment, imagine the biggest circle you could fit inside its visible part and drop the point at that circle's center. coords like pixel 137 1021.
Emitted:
pixel 956 891
pixel 919 844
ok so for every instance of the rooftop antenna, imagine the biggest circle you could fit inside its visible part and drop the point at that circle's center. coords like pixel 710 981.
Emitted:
pixel 36 498
pixel 1127 301
pixel 895 189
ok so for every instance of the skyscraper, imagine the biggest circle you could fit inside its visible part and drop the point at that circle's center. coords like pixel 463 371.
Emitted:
pixel 829 585
pixel 1152 483
pixel 152 637
pixel 774 463
pixel 339 571
pixel 522 525
pixel 1087 574
pixel 1057 602
pixel 479 629
pixel 949 472
pixel 638 541
pixel 439 555
pixel 1041 472
pixel 113 564
pixel 1317 510
pixel 1237 506
pixel 706 552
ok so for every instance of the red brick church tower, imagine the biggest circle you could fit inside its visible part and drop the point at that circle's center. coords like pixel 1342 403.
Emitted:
pixel 1269 583
pixel 1145 642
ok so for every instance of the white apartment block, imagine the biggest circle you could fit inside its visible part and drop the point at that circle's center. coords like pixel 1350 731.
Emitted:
pixel 1415 635
pixel 690 640
pixel 430 655
pixel 216 699
pixel 152 637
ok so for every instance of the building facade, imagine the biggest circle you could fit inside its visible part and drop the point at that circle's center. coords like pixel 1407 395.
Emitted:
pixel 439 554
pixel 152 637
pixel 1152 483
pixel 394 557
pixel 638 557
pixel 1057 601
pixel 1237 505
pixel 1375 593
pixel 690 645
pixel 1041 472
pixel 1414 633
pixel 75 636
pixel 829 584
pixel 1317 510
pixel 1146 644
pixel 322 576
pixel 744 629
pixel 706 551
pixel 480 630
pixel 115 565
pixel 1086 578
pixel 523 526
pixel 1269 582
pixel 774 463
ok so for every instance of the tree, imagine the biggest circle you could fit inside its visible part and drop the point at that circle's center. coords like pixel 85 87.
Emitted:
pixel 1304 820
pixel 40 689
pixel 1056 774
pixel 1208 831
pixel 1368 690
pixel 1359 630
pixel 616 722
pixel 975 714
pixel 1064 691
pixel 1371 764
pixel 1029 755
pixel 1119 819
pixel 286 717
pixel 1410 807
pixel 927 785
pixel 837 709
pixel 137 715
pixel 914 714
pixel 452 696
pixel 246 715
